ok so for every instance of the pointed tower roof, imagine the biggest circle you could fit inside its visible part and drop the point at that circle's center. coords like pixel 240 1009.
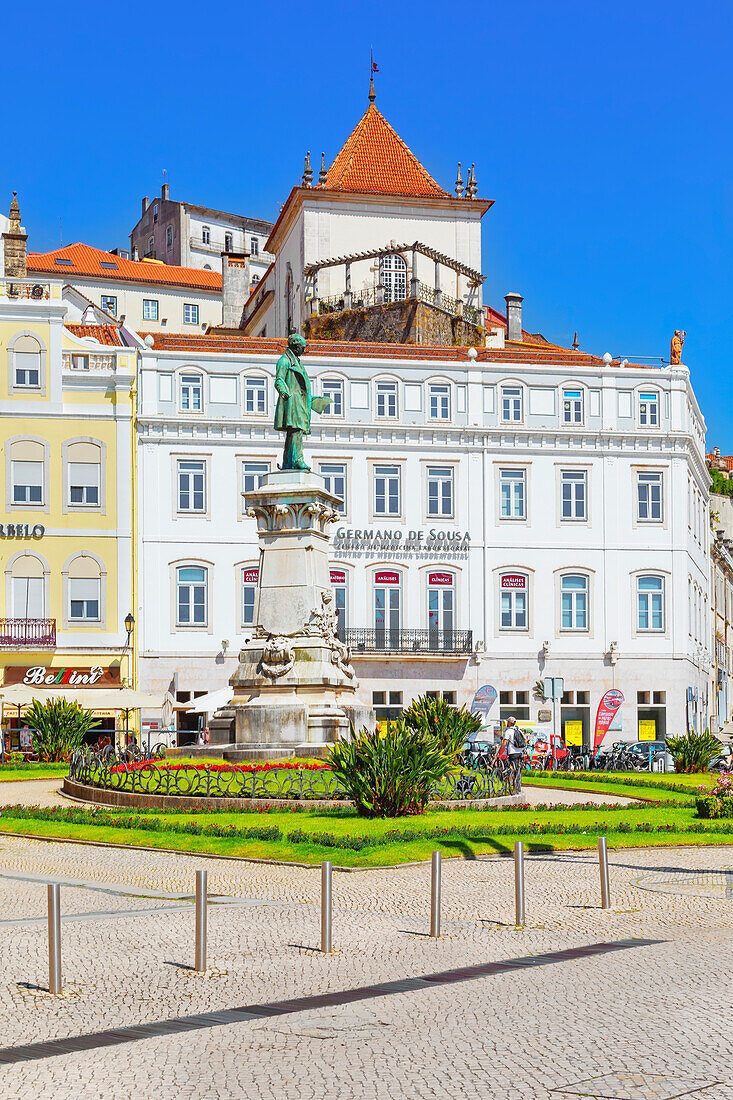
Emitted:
pixel 375 159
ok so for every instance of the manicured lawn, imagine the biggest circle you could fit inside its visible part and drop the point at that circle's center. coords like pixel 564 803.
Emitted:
pixel 630 785
pixel 14 772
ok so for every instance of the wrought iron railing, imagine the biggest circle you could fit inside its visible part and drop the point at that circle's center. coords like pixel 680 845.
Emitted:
pixel 336 303
pixel 408 641
pixel 28 632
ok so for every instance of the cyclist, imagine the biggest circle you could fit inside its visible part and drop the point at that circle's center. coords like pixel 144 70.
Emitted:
pixel 513 744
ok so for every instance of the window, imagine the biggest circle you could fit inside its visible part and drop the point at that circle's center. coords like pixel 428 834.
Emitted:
pixel 441 608
pixel 254 246
pixel 80 362
pixel 155 212
pixel 511 404
pixel 387 609
pixel 649 410
pixel 387 491
pixel 26 358
pixel 205 234
pixel 252 475
pixel 387 400
pixel 150 309
pixel 574 494
pixel 334 388
pixel 169 237
pixel 84 479
pixel 650 603
pixel 28 588
pixel 228 242
pixel 191 585
pixel 191 486
pixel 649 496
pixel 334 475
pixel 151 246
pixel 191 388
pixel 572 407
pixel 249 591
pixel 440 491
pixel 255 395
pixel 190 314
pixel 574 602
pixel 84 595
pixel 512 484
pixel 513 604
pixel 27 478
pixel 439 401
pixel 340 602
pixel 109 303
pixel 393 277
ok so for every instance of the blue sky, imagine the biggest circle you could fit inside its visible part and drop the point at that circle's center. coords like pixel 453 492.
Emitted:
pixel 602 131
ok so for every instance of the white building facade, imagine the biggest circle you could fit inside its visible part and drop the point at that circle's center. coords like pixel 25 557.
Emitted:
pixel 508 514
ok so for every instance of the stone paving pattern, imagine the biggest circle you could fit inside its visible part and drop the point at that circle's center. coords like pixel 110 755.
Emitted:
pixel 662 1009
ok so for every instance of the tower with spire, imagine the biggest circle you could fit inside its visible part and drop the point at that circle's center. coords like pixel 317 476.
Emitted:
pixel 14 244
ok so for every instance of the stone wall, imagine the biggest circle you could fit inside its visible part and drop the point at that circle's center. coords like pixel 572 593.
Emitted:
pixel 406 322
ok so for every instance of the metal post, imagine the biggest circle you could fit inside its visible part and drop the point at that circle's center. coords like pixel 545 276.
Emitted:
pixel 603 861
pixel 326 871
pixel 54 937
pixel 201 918
pixel 519 883
pixel 435 896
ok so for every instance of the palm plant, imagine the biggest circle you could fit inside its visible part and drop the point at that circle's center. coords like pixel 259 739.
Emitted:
pixel 693 751
pixel 59 728
pixel 433 717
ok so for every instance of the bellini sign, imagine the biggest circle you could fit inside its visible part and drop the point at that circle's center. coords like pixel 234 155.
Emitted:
pixel 43 676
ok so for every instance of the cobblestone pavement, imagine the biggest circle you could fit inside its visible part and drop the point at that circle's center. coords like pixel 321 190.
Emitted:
pixel 648 1020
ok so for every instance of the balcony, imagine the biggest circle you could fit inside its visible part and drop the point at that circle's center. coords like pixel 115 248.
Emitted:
pixel 38 633
pixel 434 643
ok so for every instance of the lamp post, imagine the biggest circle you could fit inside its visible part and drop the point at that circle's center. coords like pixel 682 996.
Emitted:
pixel 129 626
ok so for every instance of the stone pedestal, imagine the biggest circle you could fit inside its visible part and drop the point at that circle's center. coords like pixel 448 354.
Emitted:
pixel 295 691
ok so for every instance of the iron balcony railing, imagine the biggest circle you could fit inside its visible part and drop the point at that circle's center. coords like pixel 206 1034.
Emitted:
pixel 28 632
pixel 408 641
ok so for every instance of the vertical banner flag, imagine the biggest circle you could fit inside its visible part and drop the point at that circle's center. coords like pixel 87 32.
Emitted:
pixel 484 700
pixel 607 709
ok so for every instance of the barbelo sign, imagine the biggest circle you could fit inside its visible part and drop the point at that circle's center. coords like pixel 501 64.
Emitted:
pixel 22 531
pixel 43 676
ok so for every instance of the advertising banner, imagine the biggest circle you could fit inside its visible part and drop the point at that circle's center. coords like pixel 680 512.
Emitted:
pixel 484 700
pixel 249 576
pixel 440 580
pixel 647 729
pixel 573 733
pixel 513 580
pixel 607 708
pixel 386 578
pixel 338 576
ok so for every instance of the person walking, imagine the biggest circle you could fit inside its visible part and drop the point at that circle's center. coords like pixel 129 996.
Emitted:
pixel 514 744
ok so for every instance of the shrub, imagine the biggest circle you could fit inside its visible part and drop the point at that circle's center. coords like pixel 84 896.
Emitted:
pixel 717 802
pixel 391 773
pixel 59 728
pixel 451 725
pixel 693 752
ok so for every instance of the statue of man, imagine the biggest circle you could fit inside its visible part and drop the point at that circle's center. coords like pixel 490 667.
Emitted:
pixel 675 353
pixel 295 403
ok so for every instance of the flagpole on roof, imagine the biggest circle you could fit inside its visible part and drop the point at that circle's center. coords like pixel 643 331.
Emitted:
pixel 372 70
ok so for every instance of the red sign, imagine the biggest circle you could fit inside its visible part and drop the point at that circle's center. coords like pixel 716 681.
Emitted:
pixel 250 576
pixel 338 576
pixel 607 708
pixel 386 578
pixel 440 580
pixel 45 676
pixel 513 580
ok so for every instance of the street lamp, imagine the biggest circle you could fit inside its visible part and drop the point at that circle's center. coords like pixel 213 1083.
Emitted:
pixel 129 624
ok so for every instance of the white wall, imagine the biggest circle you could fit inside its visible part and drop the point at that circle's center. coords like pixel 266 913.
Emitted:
pixel 170 300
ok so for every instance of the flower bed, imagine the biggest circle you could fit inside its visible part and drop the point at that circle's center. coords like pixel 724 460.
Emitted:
pixel 717 802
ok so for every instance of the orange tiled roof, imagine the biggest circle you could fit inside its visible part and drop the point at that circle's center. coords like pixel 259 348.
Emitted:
pixel 103 334
pixel 86 260
pixel 375 158
pixel 727 459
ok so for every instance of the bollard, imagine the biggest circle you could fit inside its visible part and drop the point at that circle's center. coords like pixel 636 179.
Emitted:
pixel 326 871
pixel 519 883
pixel 435 896
pixel 603 862
pixel 201 918
pixel 54 937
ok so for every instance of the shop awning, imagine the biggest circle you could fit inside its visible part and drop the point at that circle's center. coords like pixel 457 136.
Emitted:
pixel 22 695
pixel 212 701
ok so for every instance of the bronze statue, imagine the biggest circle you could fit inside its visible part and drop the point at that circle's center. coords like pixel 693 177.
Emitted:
pixel 675 354
pixel 295 403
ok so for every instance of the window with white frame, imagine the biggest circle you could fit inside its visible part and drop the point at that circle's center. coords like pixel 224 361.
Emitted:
pixel 513 609
pixel 649 410
pixel 28 589
pixel 440 491
pixel 650 603
pixel 387 405
pixel 255 395
pixel 84 483
pixel 191 595
pixel 27 363
pixel 84 599
pixel 334 476
pixel 150 309
pixel 512 494
pixel 27 481
pixel 334 388
pixel 190 313
pixel 191 389
pixel 574 601
pixel 574 494
pixel 206 234
pixel 511 404
pixel 387 491
pixel 109 304
pixel 439 400
pixel 393 277
pixel 191 485
pixel 249 592
pixel 649 496
pixel 572 406
pixel 254 246
pixel 252 475
pixel 441 606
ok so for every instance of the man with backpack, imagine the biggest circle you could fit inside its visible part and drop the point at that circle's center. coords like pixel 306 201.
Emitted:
pixel 515 743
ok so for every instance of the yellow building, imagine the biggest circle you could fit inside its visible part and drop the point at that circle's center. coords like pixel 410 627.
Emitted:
pixel 67 538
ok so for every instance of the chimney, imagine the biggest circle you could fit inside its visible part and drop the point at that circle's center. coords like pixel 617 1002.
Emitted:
pixel 514 317
pixel 15 244
pixel 146 203
pixel 234 287
pixel 165 191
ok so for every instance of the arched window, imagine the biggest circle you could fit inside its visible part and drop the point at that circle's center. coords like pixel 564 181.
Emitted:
pixel 249 575
pixel 28 474
pixel 441 608
pixel 28 587
pixel 387 608
pixel 191 391
pixel 393 277
pixel 650 603
pixel 83 474
pixel 84 595
pixel 513 601
pixel 26 364
pixel 191 595
pixel 205 234
pixel 574 601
